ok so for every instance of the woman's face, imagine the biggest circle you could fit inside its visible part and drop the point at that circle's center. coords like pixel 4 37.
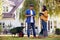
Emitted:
pixel 42 8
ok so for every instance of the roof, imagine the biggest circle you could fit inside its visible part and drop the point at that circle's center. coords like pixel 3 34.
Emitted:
pixel 10 14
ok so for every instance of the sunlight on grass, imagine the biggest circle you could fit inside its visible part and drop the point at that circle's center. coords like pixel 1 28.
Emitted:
pixel 26 38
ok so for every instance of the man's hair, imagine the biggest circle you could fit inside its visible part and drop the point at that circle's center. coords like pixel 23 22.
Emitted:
pixel 31 5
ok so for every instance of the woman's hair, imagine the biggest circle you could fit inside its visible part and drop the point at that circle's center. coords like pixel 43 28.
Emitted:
pixel 44 8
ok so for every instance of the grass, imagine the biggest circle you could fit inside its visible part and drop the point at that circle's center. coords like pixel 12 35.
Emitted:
pixel 26 38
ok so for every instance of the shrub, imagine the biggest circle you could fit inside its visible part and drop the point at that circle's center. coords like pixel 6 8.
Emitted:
pixel 57 31
pixel 16 30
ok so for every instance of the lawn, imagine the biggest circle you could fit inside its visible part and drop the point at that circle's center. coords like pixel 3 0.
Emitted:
pixel 26 38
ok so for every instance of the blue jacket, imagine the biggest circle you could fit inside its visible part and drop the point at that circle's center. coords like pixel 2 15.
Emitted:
pixel 28 19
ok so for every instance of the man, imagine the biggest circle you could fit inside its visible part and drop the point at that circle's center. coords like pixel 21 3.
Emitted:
pixel 30 15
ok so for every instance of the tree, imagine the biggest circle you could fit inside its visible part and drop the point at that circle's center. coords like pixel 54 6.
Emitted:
pixel 26 6
pixel 1 9
pixel 53 7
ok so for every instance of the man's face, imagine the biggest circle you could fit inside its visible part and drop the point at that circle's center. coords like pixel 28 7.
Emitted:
pixel 31 8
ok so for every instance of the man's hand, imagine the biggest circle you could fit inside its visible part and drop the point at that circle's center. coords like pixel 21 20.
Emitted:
pixel 28 15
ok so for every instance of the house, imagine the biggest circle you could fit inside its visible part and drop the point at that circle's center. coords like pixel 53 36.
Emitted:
pixel 10 13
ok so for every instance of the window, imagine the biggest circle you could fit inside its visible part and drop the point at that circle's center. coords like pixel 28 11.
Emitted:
pixel 5 9
pixel 0 23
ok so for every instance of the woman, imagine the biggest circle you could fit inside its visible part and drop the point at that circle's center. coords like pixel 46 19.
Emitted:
pixel 44 19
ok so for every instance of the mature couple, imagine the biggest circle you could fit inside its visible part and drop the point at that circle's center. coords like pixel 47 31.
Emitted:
pixel 30 19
